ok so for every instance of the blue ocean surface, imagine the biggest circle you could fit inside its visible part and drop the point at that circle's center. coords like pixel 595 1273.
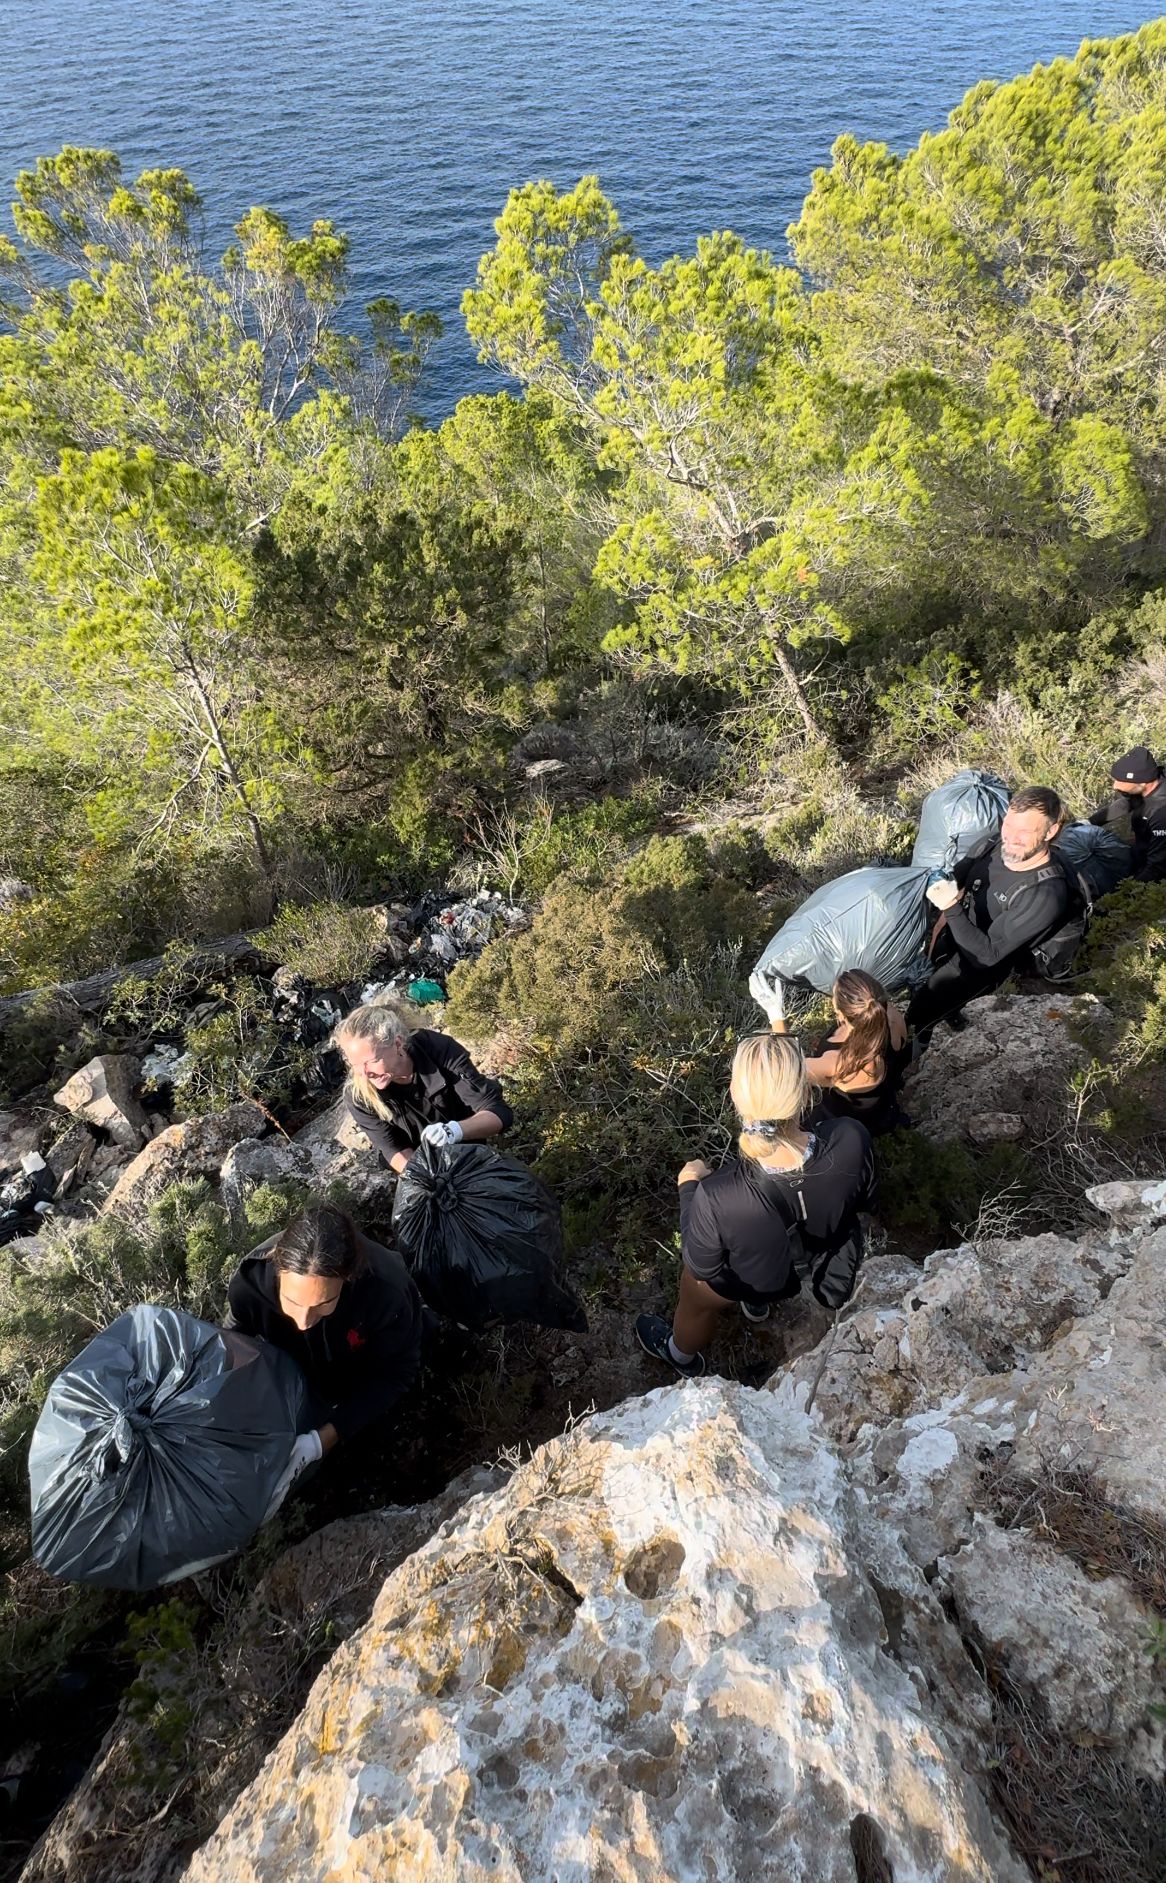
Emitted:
pixel 408 121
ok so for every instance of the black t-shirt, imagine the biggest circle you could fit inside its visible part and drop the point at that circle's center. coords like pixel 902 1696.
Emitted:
pixel 446 1088
pixel 360 1359
pixel 733 1225
pixel 1005 911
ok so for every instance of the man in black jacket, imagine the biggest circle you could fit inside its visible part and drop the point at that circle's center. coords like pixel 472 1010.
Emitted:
pixel 1139 793
pixel 995 907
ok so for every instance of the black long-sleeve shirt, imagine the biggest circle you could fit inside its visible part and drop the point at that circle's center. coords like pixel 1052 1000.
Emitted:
pixel 358 1360
pixel 1004 911
pixel 1147 826
pixel 733 1225
pixel 446 1088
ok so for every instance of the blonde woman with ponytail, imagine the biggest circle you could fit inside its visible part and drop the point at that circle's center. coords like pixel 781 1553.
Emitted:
pixel 407 1084
pixel 785 1211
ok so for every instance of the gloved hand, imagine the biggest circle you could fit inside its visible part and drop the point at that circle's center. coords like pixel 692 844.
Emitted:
pixel 774 1003
pixel 944 894
pixel 307 1450
pixel 442 1135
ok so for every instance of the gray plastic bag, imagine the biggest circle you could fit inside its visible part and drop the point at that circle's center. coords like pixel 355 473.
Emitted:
pixel 159 1448
pixel 1098 854
pixel 875 919
pixel 957 816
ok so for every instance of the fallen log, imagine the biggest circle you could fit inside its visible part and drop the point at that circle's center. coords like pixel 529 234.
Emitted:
pixel 92 994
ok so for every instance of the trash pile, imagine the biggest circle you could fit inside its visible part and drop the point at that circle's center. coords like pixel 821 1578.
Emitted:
pixel 25 1198
pixel 449 932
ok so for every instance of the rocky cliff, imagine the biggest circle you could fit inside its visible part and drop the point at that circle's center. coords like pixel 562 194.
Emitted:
pixel 904 1633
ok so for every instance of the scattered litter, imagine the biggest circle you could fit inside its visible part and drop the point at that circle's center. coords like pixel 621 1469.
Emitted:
pixel 425 993
pixel 23 1197
pixel 164 1065
pixel 458 931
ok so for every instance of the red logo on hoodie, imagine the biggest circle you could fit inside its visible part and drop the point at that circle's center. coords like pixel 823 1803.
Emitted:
pixel 355 1337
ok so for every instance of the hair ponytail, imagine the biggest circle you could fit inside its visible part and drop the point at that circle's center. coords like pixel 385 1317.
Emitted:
pixel 862 1002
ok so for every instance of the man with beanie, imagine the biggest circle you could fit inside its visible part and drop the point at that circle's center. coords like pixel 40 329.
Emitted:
pixel 1139 793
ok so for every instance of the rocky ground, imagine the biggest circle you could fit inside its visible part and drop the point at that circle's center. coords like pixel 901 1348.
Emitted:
pixel 898 1616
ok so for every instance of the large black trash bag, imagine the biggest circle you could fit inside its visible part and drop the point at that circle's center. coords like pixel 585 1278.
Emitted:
pixel 482 1238
pixel 159 1448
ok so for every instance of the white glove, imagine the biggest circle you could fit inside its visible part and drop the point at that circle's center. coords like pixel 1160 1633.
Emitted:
pixel 307 1450
pixel 442 1136
pixel 774 1003
pixel 944 894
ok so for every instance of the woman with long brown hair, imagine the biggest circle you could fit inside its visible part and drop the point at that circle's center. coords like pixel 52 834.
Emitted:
pixel 858 1066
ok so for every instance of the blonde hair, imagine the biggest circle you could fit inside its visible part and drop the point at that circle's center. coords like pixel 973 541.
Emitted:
pixel 770 1090
pixel 384 1022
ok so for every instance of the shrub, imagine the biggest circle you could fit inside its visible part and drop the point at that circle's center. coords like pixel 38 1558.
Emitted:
pixel 328 943
pixel 561 982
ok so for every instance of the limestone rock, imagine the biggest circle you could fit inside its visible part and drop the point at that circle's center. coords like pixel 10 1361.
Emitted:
pixel 973 1311
pixel 656 1654
pixel 323 1165
pixel 1130 1202
pixel 257 1161
pixel 334 1128
pixel 1077 1648
pixel 322 1589
pixel 181 1153
pixel 1016 1050
pixel 102 1093
pixel 995 1127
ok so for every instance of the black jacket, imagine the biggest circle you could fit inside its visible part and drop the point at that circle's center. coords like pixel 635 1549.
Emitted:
pixel 734 1225
pixel 1005 911
pixel 447 1087
pixel 1148 825
pixel 360 1359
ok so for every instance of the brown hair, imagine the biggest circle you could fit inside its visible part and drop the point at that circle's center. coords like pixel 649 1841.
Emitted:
pixel 1038 798
pixel 862 1002
pixel 320 1241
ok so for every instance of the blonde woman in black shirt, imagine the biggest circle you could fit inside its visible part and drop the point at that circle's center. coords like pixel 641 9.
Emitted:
pixel 410 1085
pixel 784 1212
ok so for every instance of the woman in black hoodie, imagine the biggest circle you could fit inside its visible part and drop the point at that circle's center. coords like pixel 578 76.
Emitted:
pixel 785 1212
pixel 348 1313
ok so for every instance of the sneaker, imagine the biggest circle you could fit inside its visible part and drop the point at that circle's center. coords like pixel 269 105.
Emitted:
pixel 652 1332
pixel 754 1314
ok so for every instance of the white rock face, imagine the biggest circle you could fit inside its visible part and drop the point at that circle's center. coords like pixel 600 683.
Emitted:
pixel 318 1162
pixel 102 1093
pixel 658 1654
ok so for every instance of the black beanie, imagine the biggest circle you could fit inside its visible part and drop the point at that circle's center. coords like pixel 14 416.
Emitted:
pixel 1135 768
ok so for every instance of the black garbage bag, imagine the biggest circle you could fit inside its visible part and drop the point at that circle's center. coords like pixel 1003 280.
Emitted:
pixel 159 1448
pixel 482 1238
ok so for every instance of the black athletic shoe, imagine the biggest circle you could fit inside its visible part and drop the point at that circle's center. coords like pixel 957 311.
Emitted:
pixel 653 1332
pixel 756 1315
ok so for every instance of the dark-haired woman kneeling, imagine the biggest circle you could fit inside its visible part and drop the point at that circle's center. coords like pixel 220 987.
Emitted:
pixel 347 1312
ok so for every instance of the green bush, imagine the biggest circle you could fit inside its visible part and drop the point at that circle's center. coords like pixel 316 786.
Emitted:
pixel 327 943
pixel 561 982
pixel 612 1129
